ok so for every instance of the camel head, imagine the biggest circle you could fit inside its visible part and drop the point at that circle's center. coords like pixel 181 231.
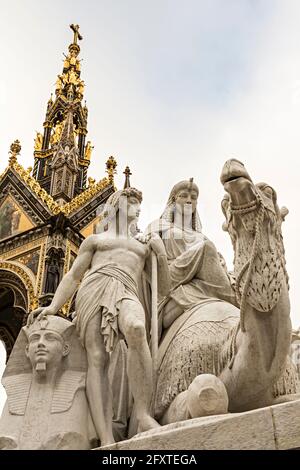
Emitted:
pixel 253 221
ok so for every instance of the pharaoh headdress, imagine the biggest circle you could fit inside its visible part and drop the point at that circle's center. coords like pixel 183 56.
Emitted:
pixel 18 373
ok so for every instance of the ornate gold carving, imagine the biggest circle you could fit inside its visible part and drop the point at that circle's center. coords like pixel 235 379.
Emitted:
pixel 59 84
pixel 88 150
pixel 91 181
pixel 28 260
pixel 70 247
pixel 43 153
pixel 83 163
pixel 67 257
pixel 69 85
pixel 38 141
pixel 21 250
pixel 48 200
pixel 71 206
pixel 36 188
pixel 50 103
pixel 80 88
pixel 15 150
pixel 111 165
pixel 41 269
pixel 32 298
pixel 84 197
pixel 57 133
pixel 66 307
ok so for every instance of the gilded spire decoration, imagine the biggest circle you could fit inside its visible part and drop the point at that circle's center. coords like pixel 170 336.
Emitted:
pixel 14 151
pixel 88 150
pixel 65 123
pixel 69 83
pixel 49 209
pixel 127 174
pixel 38 141
pixel 67 135
pixel 77 35
pixel 111 165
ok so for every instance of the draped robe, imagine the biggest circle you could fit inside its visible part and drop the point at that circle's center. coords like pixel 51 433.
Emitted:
pixel 197 275
pixel 100 293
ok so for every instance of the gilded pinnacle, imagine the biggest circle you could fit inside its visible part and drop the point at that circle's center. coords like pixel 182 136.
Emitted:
pixel 15 150
pixel 111 165
pixel 74 48
pixel 77 35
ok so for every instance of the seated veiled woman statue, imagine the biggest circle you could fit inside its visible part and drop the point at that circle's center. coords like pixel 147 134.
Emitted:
pixel 197 270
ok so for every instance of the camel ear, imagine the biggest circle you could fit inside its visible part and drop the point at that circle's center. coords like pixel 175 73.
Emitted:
pixel 225 203
pixel 284 212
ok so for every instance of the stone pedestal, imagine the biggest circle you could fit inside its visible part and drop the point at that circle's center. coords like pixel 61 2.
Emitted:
pixel 272 428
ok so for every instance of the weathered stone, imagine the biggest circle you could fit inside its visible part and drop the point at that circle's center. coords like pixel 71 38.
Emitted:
pixel 286 418
pixel 44 379
pixel 214 322
pixel 111 266
pixel 252 430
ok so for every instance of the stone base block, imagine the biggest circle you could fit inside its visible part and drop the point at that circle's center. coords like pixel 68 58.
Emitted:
pixel 274 428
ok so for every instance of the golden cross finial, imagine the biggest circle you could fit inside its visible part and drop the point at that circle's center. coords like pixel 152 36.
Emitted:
pixel 77 35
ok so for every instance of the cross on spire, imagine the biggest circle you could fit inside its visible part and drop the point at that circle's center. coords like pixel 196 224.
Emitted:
pixel 127 174
pixel 77 35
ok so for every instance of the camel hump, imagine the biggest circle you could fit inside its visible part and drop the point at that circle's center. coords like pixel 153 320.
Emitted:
pixel 194 344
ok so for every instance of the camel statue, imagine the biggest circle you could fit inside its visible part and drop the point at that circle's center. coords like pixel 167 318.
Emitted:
pixel 216 344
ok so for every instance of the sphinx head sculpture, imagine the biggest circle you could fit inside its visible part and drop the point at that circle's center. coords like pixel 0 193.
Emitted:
pixel 44 380
pixel 47 344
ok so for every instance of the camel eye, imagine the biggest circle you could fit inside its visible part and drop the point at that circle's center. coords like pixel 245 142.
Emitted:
pixel 268 192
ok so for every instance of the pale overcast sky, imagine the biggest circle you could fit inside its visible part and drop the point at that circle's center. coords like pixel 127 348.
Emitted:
pixel 173 88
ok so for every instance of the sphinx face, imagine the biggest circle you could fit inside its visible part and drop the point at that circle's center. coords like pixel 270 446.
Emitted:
pixel 46 347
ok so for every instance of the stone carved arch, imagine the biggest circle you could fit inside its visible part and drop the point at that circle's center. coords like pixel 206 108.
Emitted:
pixel 8 340
pixel 17 298
pixel 27 278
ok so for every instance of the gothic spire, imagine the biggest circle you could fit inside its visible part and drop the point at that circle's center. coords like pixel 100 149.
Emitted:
pixel 67 135
pixel 65 122
pixel 69 83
